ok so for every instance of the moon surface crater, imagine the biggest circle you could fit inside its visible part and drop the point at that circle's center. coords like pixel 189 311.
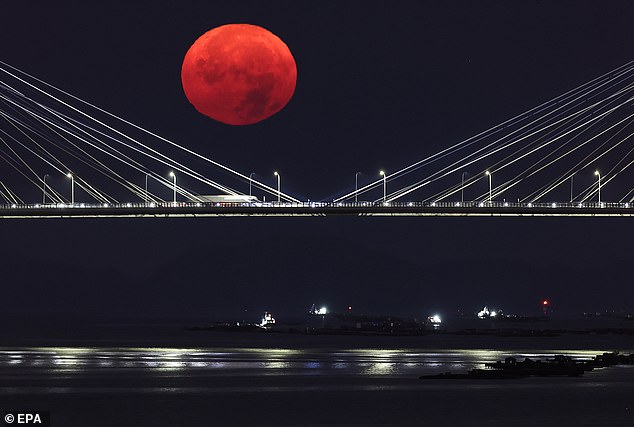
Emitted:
pixel 239 74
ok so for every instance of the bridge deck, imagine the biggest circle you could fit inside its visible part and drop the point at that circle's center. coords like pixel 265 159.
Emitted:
pixel 129 210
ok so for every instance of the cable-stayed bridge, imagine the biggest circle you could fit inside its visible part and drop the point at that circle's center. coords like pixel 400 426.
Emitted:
pixel 183 209
pixel 64 157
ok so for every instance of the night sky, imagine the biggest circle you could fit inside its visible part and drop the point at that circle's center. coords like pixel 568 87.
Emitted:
pixel 380 85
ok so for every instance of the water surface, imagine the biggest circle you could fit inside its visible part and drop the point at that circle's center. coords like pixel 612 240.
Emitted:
pixel 301 386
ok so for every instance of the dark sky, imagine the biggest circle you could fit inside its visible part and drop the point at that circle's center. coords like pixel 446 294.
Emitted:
pixel 380 85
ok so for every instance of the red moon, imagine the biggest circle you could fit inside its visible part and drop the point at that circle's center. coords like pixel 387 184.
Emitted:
pixel 239 74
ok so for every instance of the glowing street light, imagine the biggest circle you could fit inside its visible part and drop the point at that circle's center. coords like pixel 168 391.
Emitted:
pixel 356 186
pixel 146 194
pixel 278 185
pixel 250 182
pixel 599 175
pixel 489 175
pixel 462 189
pixel 382 173
pixel 72 187
pixel 173 175
pixel 44 189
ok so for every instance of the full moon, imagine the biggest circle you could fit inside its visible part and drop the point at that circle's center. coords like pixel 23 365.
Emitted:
pixel 239 74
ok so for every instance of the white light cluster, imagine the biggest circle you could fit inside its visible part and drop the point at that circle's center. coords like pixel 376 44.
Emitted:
pixel 435 319
pixel 484 313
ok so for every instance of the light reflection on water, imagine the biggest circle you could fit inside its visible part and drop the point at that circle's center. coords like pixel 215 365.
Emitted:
pixel 370 362
pixel 159 370
pixel 380 368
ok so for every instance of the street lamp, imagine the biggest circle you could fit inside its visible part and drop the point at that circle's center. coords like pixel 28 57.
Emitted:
pixel 250 181
pixel 278 185
pixel 571 184
pixel 489 175
pixel 44 189
pixel 462 189
pixel 173 175
pixel 356 186
pixel 382 173
pixel 146 195
pixel 72 187
pixel 599 175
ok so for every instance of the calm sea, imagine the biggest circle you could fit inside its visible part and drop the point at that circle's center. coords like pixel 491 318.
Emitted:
pixel 287 384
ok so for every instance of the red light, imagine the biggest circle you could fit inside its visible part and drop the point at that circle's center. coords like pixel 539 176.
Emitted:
pixel 545 302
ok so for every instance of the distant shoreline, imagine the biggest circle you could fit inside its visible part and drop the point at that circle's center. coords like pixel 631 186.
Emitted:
pixel 173 333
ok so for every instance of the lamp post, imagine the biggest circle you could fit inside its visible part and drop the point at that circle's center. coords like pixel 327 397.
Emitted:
pixel 382 173
pixel 489 175
pixel 462 189
pixel 599 175
pixel 44 189
pixel 572 177
pixel 72 187
pixel 146 195
pixel 356 186
pixel 173 175
pixel 250 181
pixel 278 185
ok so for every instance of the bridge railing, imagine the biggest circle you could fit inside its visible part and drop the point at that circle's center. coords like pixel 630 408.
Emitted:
pixel 458 206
